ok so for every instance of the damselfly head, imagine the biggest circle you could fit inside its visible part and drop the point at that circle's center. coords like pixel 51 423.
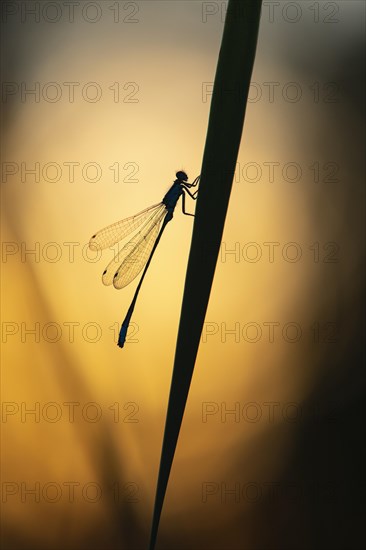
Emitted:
pixel 182 176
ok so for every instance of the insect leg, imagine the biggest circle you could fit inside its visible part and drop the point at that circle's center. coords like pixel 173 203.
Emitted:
pixel 194 183
pixel 192 195
pixel 184 205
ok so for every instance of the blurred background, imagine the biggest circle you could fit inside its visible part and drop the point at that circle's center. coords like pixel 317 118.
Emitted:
pixel 102 103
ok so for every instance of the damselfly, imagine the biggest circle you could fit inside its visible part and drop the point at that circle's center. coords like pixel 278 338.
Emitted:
pixel 138 251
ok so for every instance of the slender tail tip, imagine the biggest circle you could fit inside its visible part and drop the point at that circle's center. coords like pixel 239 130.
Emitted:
pixel 122 336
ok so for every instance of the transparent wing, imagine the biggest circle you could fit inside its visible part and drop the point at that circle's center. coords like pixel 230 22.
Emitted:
pixel 136 260
pixel 128 263
pixel 117 231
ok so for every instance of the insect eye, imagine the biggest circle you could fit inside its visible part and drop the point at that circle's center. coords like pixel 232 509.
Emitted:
pixel 104 272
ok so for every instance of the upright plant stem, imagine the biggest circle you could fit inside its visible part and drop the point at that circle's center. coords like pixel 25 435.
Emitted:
pixel 232 80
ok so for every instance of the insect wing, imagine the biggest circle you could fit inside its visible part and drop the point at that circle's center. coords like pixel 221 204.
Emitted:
pixel 136 261
pixel 114 233
pixel 129 261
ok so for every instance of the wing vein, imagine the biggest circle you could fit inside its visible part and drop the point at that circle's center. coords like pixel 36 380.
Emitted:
pixel 117 231
pixel 130 260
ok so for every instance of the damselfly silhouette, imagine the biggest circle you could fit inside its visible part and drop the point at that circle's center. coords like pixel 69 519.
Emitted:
pixel 139 250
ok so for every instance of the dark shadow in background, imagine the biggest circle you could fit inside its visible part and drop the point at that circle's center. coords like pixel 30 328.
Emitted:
pixel 325 508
